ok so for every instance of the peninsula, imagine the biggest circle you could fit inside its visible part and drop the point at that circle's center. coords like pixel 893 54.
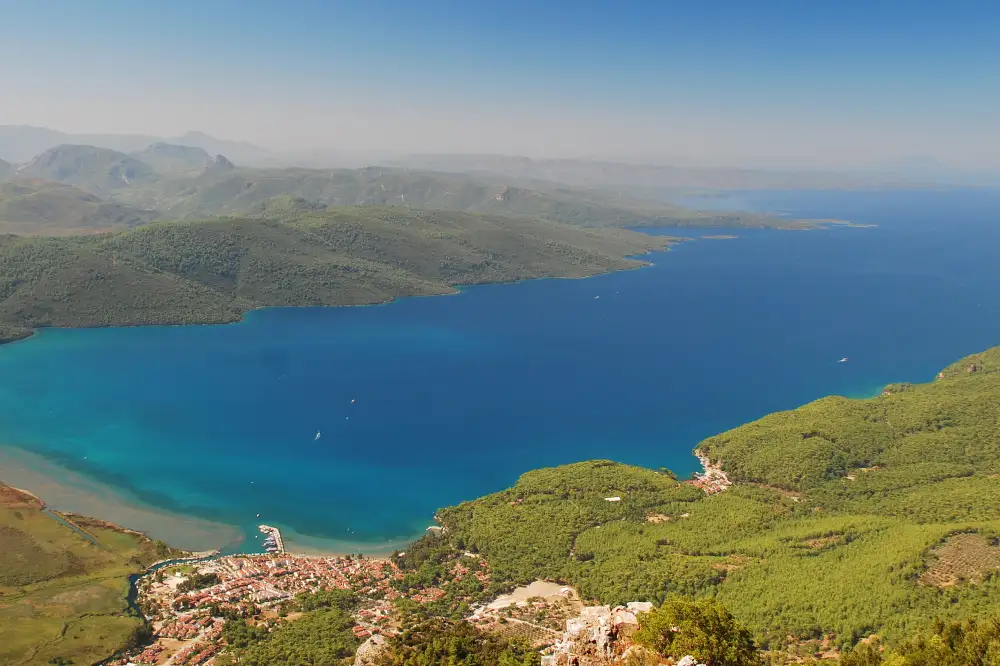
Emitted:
pixel 289 254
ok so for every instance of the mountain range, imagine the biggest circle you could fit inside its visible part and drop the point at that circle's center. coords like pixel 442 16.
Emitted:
pixel 20 143
pixel 185 182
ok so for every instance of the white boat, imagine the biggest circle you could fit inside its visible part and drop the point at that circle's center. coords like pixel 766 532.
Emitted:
pixel 318 435
pixel 843 360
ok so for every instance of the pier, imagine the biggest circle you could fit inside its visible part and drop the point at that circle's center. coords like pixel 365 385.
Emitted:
pixel 273 535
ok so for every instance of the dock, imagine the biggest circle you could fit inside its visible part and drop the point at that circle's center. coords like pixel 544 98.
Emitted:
pixel 273 543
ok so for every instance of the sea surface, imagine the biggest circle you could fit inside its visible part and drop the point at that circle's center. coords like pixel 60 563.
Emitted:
pixel 348 427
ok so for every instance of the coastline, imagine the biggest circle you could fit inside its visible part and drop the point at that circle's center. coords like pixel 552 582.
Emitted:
pixel 70 492
pixel 455 289
pixel 66 491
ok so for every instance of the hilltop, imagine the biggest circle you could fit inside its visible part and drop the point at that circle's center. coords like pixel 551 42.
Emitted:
pixel 95 170
pixel 212 271
pixel 173 160
pixel 35 207
pixel 19 143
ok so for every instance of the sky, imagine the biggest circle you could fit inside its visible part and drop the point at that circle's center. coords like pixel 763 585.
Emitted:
pixel 740 82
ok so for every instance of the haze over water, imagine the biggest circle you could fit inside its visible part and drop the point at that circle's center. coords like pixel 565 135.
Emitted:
pixel 456 396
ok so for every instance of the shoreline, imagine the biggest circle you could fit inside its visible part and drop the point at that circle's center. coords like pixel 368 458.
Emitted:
pixel 69 492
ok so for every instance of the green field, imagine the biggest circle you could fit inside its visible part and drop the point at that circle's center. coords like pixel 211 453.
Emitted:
pixel 62 594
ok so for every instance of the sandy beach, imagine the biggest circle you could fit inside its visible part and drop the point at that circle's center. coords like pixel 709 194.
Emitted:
pixel 64 490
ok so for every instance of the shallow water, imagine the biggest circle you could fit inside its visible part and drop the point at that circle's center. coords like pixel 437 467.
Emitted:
pixel 456 396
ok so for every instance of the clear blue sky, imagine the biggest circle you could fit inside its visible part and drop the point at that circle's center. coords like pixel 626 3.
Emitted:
pixel 726 81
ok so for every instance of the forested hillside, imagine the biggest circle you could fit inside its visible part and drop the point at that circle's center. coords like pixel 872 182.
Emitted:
pixel 847 518
pixel 214 270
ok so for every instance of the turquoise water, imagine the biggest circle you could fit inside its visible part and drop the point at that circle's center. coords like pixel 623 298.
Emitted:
pixel 456 396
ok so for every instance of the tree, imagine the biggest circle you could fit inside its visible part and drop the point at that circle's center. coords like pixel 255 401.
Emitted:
pixel 703 629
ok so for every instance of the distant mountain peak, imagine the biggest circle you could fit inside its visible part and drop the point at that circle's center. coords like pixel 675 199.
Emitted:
pixel 88 167
pixel 219 162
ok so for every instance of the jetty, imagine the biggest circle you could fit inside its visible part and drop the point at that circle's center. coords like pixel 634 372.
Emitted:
pixel 273 543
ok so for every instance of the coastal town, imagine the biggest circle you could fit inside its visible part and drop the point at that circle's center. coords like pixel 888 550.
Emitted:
pixel 189 601
pixel 187 623
pixel 188 619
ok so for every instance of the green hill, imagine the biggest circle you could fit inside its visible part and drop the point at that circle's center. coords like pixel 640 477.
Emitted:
pixel 173 160
pixel 42 207
pixel 214 270
pixel 847 518
pixel 97 170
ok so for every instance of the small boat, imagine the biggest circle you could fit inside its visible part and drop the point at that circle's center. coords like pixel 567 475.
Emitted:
pixel 596 297
pixel 318 435
pixel 352 401
pixel 843 360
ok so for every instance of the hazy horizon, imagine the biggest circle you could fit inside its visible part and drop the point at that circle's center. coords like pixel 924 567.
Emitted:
pixel 784 84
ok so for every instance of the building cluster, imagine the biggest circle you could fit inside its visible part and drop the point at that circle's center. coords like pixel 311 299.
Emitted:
pixel 266 579
pixel 185 626
pixel 188 624
pixel 712 480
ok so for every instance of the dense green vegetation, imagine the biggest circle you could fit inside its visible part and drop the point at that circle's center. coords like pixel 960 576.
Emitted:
pixel 35 207
pixel 702 629
pixel 438 641
pixel 63 595
pixel 198 581
pixel 848 517
pixel 212 271
pixel 969 643
pixel 320 637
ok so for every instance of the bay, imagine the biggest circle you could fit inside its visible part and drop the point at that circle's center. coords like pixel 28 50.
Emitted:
pixel 431 401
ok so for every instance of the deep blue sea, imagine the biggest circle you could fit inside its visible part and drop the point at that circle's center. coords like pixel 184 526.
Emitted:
pixel 430 401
